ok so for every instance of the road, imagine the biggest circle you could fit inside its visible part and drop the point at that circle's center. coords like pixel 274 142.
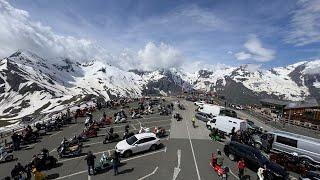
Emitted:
pixel 185 155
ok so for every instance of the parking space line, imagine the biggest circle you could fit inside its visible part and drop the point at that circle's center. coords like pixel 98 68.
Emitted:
pixel 153 172
pixel 52 150
pixel 135 157
pixel 134 128
pixel 72 125
pixel 83 156
pixel 55 134
pixel 194 158
pixel 233 174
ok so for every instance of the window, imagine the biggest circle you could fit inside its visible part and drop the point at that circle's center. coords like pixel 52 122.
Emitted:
pixel 141 141
pixel 131 140
pixel 287 141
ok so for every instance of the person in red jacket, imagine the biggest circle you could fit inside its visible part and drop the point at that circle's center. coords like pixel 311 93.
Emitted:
pixel 241 166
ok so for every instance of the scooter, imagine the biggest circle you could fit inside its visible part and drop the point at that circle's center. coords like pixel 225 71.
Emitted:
pixel 45 163
pixel 104 163
pixel 69 152
pixel 221 171
pixel 5 156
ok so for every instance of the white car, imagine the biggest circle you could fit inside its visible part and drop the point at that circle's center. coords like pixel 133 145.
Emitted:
pixel 199 103
pixel 138 143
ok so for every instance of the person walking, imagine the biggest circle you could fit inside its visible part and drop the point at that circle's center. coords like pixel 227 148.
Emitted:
pixel 90 162
pixel 116 162
pixel 193 120
pixel 241 166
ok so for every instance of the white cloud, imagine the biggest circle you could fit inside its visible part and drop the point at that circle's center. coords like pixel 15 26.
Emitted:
pixel 162 56
pixel 18 31
pixel 195 66
pixel 242 55
pixel 253 67
pixel 255 51
pixel 305 23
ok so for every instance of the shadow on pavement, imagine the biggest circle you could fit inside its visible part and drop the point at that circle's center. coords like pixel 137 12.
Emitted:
pixel 126 171
pixel 52 176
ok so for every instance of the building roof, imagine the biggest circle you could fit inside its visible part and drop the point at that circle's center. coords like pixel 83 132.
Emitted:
pixel 303 104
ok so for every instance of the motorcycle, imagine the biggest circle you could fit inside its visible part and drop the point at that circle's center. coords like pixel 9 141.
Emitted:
pixel 126 135
pixel 45 162
pixel 89 133
pixel 177 116
pixel 5 156
pixel 104 163
pixel 69 151
pixel 144 130
pixel 221 171
pixel 120 120
pixel 29 138
pixel 159 132
pixel 181 107
pixel 136 115
pixel 110 138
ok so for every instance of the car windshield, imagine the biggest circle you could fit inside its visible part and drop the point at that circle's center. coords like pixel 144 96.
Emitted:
pixel 131 140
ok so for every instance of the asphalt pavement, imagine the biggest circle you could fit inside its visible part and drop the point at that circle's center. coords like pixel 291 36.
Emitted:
pixel 185 155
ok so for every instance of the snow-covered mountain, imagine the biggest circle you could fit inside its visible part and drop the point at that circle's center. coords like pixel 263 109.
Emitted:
pixel 31 84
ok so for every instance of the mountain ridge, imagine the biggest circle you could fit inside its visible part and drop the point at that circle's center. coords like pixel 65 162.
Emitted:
pixel 30 83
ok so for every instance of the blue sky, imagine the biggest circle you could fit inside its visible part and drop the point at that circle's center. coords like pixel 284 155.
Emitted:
pixel 233 32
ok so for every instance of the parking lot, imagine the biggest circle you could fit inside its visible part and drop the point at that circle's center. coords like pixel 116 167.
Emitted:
pixel 185 155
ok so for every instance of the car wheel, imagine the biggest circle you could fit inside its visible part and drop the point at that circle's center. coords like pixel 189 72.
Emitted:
pixel 127 153
pixel 257 145
pixel 9 158
pixel 231 157
pixel 153 147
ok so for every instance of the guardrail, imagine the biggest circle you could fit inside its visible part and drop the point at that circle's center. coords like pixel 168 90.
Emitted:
pixel 284 122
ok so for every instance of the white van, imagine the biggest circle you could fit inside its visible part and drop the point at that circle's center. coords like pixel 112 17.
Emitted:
pixel 225 124
pixel 215 110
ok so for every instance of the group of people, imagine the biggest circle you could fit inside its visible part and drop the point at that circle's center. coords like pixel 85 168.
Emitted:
pixel 90 158
pixel 25 172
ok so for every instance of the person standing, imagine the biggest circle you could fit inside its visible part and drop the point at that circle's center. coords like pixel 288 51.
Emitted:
pixel 241 166
pixel 220 158
pixel 116 162
pixel 90 162
pixel 193 120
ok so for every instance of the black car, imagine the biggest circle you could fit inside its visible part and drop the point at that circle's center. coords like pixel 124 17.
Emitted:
pixel 254 159
pixel 311 175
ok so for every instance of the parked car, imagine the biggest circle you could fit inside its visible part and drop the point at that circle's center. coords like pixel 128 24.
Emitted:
pixel 204 117
pixel 254 159
pixel 138 143
pixel 199 103
pixel 311 175
pixel 307 148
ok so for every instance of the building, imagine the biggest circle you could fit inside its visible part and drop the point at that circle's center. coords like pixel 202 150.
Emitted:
pixel 305 111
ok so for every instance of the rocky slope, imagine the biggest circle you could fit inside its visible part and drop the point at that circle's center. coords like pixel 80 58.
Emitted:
pixel 29 83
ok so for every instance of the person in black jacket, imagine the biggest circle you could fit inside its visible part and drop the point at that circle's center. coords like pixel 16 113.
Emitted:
pixel 116 162
pixel 90 162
